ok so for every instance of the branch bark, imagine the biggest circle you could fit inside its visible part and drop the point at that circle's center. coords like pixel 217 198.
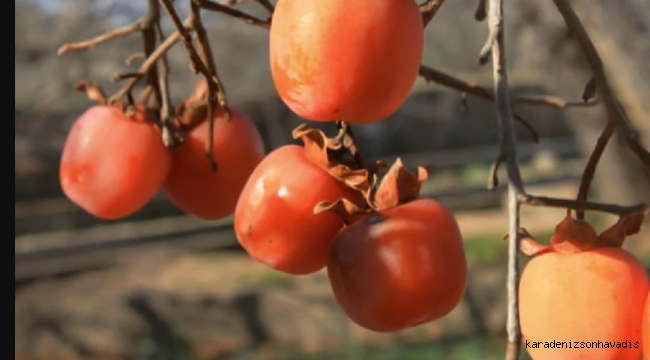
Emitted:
pixel 509 152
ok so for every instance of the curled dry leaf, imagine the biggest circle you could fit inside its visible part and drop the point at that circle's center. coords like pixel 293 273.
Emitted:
pixel 348 211
pixel 399 186
pixel 333 156
pixel 626 225
pixel 93 90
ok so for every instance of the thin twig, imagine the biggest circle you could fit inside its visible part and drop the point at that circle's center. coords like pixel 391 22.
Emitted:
pixel 233 2
pixel 205 52
pixel 172 137
pixel 431 74
pixel 592 163
pixel 166 108
pixel 601 82
pixel 493 178
pixel 444 79
pixel 146 66
pixel 429 9
pixel 149 22
pixel 493 31
pixel 515 184
pixel 249 19
pixel 552 101
pixel 194 57
pixel 216 90
pixel 109 35
pixel 133 57
pixel 144 95
pixel 581 205
pixel 125 75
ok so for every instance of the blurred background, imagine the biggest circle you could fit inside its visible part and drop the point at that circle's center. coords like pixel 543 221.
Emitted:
pixel 164 285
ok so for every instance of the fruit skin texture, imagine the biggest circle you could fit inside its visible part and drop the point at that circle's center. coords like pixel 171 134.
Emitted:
pixel 646 329
pixel 401 268
pixel 593 295
pixel 112 166
pixel 274 220
pixel 345 60
pixel 194 187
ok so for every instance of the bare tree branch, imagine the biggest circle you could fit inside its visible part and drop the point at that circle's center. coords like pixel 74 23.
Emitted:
pixel 601 82
pixel 515 184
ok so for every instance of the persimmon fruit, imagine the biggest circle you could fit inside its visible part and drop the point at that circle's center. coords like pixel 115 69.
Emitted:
pixel 274 220
pixel 584 294
pixel 399 268
pixel 192 185
pixel 112 166
pixel 354 61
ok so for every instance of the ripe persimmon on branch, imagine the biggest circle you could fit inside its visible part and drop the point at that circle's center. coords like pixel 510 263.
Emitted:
pixel 334 163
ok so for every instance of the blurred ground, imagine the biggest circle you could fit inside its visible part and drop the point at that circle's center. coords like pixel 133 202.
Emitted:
pixel 222 305
pixel 180 299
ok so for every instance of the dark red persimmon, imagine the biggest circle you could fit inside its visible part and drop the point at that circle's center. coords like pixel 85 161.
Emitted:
pixel 194 187
pixel 571 295
pixel 399 268
pixel 345 60
pixel 274 218
pixel 112 166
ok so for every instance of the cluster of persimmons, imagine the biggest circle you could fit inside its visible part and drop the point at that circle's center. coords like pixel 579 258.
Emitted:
pixel 394 260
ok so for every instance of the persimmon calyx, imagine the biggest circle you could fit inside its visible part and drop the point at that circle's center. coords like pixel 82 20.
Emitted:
pixel 528 244
pixel 398 186
pixel 627 225
pixel 332 155
pixel 348 211
pixel 574 235
pixel 93 90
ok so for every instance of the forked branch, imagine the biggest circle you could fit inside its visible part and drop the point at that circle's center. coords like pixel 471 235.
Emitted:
pixel 441 78
pixel 198 64
pixel 516 192
pixel 601 82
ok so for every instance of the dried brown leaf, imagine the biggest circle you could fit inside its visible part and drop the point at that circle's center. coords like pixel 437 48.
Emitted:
pixel 348 211
pixel 626 225
pixel 399 186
